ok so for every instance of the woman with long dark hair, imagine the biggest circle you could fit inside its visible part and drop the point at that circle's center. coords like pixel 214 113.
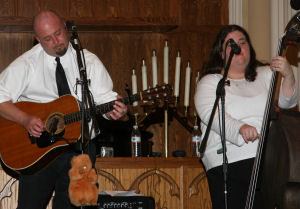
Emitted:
pixel 245 100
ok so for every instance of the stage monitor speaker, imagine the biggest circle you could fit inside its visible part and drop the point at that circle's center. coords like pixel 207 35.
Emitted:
pixel 125 202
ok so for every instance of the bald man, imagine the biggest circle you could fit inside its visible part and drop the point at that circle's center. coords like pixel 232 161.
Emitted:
pixel 32 77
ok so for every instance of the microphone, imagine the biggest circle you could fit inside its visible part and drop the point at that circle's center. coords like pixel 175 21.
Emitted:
pixel 234 47
pixel 295 4
pixel 70 25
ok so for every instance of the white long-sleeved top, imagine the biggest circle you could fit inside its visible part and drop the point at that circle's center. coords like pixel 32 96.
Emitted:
pixel 31 77
pixel 244 104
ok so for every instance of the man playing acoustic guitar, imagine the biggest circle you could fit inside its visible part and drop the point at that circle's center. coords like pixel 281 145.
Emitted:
pixel 32 77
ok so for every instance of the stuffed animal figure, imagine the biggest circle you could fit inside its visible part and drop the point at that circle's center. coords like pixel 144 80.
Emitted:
pixel 83 178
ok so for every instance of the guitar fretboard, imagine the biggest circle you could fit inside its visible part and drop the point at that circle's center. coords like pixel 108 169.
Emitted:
pixel 100 109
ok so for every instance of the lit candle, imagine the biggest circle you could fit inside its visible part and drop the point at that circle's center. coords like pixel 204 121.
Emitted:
pixel 187 85
pixel 177 75
pixel 134 85
pixel 144 75
pixel 154 69
pixel 195 113
pixel 197 77
pixel 166 63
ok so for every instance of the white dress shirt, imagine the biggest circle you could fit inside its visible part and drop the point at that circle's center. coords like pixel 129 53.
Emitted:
pixel 31 77
pixel 244 104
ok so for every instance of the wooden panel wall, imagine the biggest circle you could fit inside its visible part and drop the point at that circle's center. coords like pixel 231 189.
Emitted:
pixel 173 183
pixel 122 33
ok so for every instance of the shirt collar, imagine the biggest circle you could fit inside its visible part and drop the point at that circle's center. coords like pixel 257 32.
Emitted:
pixel 52 58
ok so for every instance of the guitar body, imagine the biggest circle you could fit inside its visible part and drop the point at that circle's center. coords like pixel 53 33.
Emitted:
pixel 25 154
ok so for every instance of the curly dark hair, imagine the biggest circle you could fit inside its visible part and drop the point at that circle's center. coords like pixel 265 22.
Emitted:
pixel 214 64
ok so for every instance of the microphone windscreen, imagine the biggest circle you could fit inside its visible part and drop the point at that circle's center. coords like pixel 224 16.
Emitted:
pixel 69 24
pixel 295 4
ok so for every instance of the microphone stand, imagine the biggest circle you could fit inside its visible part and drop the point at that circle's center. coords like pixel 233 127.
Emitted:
pixel 87 111
pixel 220 94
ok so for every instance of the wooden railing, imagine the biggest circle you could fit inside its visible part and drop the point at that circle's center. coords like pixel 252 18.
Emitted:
pixel 174 183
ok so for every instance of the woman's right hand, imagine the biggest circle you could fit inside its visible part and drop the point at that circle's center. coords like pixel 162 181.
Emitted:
pixel 249 133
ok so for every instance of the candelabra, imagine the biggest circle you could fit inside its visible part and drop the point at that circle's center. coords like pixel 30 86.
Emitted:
pixel 149 113
pixel 164 111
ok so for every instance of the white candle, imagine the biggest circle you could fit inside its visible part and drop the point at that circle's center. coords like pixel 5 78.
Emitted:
pixel 154 69
pixel 187 85
pixel 197 77
pixel 144 75
pixel 177 75
pixel 134 85
pixel 166 63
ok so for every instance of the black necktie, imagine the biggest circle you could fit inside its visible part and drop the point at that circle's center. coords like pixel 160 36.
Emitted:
pixel 61 80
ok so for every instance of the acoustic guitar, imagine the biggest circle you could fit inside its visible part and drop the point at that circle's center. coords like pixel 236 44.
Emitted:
pixel 23 153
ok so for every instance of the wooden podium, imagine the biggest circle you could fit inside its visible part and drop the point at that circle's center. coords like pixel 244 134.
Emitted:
pixel 174 183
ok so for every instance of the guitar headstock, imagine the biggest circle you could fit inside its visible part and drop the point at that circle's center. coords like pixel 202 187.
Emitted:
pixel 158 93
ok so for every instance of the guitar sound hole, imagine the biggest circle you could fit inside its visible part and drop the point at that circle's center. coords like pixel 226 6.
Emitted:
pixel 55 123
pixel 55 129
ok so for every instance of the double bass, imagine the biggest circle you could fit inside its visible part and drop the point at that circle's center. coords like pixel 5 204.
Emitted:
pixel 278 152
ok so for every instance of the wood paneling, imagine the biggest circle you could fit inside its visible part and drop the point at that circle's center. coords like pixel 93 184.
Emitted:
pixel 28 8
pixel 174 183
pixel 122 33
pixel 7 8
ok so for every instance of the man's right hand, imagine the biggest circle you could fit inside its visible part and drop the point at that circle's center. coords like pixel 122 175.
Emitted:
pixel 33 125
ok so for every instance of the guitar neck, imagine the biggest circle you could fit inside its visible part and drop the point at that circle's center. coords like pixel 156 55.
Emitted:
pixel 101 109
pixel 104 108
pixel 157 93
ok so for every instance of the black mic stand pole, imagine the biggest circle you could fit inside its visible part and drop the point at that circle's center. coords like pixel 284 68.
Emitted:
pixel 86 111
pixel 85 93
pixel 220 94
